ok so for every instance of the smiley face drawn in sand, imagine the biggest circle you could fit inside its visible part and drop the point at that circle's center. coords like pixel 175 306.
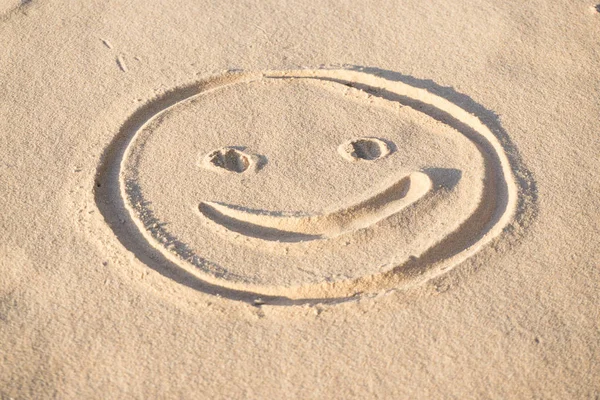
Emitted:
pixel 310 184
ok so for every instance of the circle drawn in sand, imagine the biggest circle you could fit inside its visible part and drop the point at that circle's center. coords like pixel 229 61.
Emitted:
pixel 393 219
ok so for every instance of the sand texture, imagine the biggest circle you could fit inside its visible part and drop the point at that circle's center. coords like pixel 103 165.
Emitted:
pixel 299 200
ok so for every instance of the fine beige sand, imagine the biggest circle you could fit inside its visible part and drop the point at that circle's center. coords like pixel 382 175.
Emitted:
pixel 299 199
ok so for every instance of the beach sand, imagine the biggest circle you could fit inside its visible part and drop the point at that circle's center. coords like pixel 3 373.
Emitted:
pixel 299 200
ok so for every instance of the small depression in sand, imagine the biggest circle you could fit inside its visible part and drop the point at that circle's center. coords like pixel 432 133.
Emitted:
pixel 313 184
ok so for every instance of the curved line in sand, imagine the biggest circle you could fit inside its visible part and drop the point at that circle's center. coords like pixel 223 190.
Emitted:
pixel 494 213
pixel 294 228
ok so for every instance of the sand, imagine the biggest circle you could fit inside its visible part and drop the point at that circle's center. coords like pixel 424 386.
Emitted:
pixel 266 200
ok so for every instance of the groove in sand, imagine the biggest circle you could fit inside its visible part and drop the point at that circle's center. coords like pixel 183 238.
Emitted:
pixel 294 228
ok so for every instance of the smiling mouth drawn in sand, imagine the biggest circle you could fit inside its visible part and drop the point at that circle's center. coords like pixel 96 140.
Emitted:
pixel 292 226
pixel 284 210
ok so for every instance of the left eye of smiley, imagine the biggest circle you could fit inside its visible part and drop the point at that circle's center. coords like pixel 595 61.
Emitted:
pixel 232 159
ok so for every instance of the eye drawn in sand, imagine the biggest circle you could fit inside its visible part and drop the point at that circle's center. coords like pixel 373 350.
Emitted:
pixel 231 159
pixel 365 149
pixel 371 184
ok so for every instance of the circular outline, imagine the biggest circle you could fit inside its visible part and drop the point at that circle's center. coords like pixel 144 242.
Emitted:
pixel 412 273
